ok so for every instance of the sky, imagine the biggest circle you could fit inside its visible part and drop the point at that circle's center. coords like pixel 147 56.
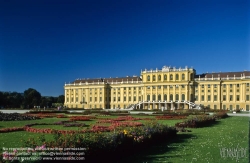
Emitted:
pixel 47 43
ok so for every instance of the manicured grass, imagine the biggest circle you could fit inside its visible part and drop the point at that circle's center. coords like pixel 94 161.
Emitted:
pixel 13 139
pixel 202 145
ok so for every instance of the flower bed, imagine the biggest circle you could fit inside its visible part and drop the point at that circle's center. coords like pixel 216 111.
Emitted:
pixel 61 116
pixel 221 115
pixel 165 117
pixel 80 118
pixel 16 117
pixel 11 129
pixel 43 115
pixel 101 144
pixel 197 121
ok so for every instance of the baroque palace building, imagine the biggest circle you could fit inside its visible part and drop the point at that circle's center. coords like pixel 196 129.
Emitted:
pixel 168 88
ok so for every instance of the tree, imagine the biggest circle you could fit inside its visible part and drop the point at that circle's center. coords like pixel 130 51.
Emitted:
pixel 60 99
pixel 31 98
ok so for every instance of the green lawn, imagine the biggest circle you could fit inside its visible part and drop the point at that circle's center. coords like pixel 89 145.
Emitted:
pixel 15 139
pixel 202 145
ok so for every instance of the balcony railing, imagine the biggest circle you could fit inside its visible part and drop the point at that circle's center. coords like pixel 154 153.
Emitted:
pixel 227 78
pixel 100 83
pixel 169 70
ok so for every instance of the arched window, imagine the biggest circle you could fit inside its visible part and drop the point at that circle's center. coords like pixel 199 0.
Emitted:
pixel 159 97
pixel 153 97
pixel 148 97
pixel 159 77
pixel 177 77
pixel 153 77
pixel 171 97
pixel 171 77
pixel 165 77
pixel 176 97
pixel 165 97
pixel 182 97
pixel 148 78
pixel 183 76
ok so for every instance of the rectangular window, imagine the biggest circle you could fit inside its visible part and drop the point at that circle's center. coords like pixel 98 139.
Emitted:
pixel 90 99
pixel 159 87
pixel 224 85
pixel 114 99
pixel 129 98
pixel 237 85
pixel 208 97
pixel 238 97
pixel 67 99
pixel 238 90
pixel 231 98
pixel 215 90
pixel 153 87
pixel 237 106
pixel 215 86
pixel 100 98
pixel 248 84
pixel 224 97
pixel 231 85
pixel 208 85
pixel 183 86
pixel 76 99
pixel 119 99
pixel 95 99
pixel 124 88
pixel 202 98
pixel 165 87
pixel 247 97
pixel 134 98
pixel 171 86
pixel 196 98
pixel 224 107
pixel 247 107
pixel 72 99
pixel 139 98
pixel 215 97
pixel 202 86
pixel 124 98
pixel 148 87
pixel 215 106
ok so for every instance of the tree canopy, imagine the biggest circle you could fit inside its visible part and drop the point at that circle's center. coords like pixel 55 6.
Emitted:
pixel 28 99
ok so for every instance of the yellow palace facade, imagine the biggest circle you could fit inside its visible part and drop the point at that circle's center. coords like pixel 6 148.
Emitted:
pixel 166 88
